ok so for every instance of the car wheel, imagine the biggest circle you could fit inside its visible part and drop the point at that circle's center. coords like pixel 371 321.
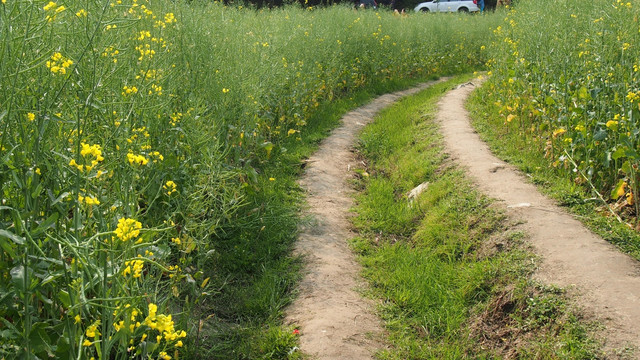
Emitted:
pixel 463 9
pixel 424 10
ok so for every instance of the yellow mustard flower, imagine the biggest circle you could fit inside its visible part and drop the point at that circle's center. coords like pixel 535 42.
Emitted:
pixel 170 187
pixel 118 326
pixel 128 229
pixel 92 331
pixel 137 159
pixel 169 18
pixel 155 154
pixel 137 267
pixel 129 90
pixel 89 200
pixel 58 64
pixel 73 163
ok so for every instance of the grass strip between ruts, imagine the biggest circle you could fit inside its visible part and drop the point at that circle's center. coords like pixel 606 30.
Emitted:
pixel 451 273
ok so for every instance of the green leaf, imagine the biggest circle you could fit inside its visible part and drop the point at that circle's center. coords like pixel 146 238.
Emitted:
pixel 600 135
pixel 97 105
pixel 17 220
pixel 7 246
pixel 63 348
pixel 9 235
pixel 50 278
pixel 36 192
pixel 619 153
pixel 17 180
pixel 549 101
pixel 45 225
pixel 59 198
pixel 252 174
pixel 64 298
pixel 7 335
pixel 39 339
pixel 9 325
pixel 17 277
pixel 631 154
pixel 583 93
pixel 268 146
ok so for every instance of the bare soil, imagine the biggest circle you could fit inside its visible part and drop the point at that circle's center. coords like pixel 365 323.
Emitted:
pixel 335 321
pixel 607 282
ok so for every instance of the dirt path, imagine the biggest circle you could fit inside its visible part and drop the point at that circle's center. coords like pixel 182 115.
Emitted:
pixel 607 281
pixel 335 321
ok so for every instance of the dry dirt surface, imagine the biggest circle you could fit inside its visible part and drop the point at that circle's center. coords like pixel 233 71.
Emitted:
pixel 606 281
pixel 335 321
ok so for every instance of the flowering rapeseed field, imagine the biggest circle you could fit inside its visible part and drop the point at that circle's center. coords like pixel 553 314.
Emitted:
pixel 569 79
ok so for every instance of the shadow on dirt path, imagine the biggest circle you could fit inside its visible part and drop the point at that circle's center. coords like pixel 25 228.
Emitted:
pixel 335 321
pixel 607 281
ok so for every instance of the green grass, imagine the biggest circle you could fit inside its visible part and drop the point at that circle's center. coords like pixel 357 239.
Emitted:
pixel 450 272
pixel 229 99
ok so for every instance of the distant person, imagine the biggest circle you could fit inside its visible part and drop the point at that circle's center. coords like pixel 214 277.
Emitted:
pixel 481 5
pixel 368 3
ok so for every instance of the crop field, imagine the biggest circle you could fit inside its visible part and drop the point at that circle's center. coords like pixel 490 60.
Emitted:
pixel 567 83
pixel 149 150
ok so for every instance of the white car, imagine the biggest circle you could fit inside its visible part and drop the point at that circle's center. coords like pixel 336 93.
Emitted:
pixel 448 6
